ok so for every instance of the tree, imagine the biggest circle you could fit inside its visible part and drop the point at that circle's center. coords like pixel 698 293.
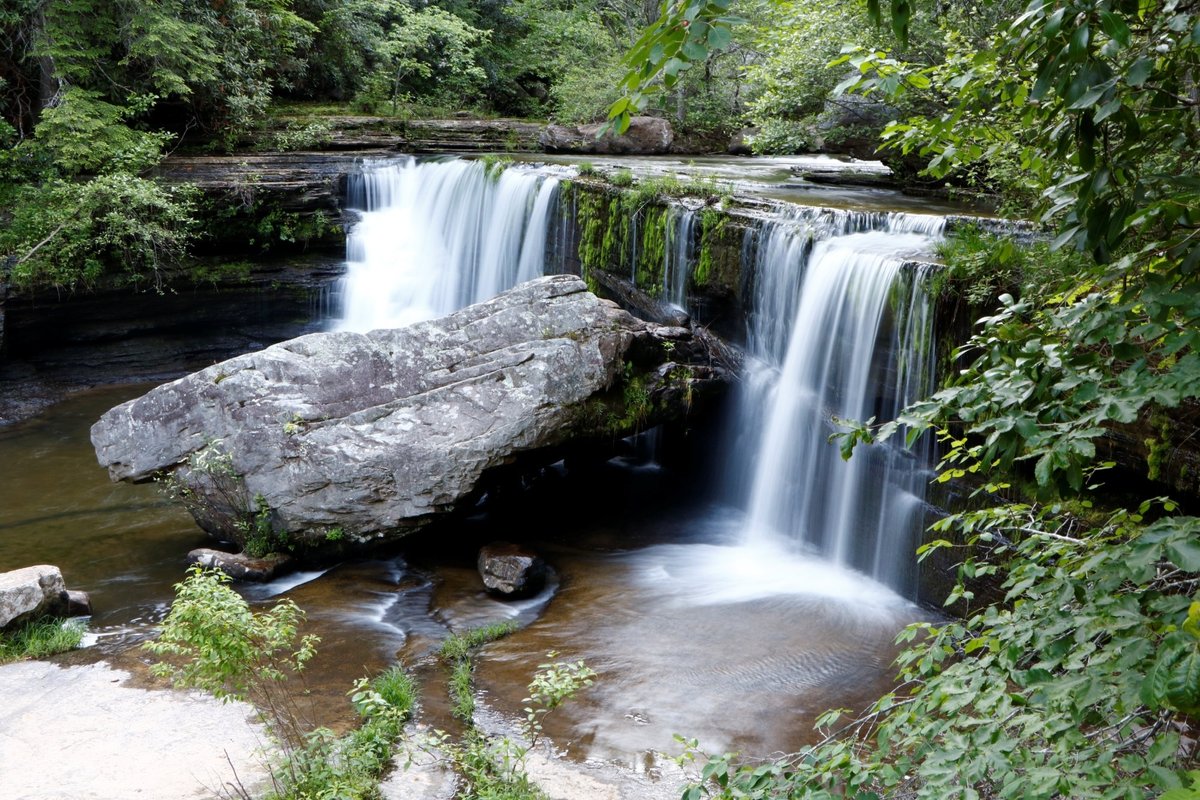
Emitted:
pixel 427 54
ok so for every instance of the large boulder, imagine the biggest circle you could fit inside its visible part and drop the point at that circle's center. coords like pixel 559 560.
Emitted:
pixel 646 136
pixel 30 593
pixel 346 438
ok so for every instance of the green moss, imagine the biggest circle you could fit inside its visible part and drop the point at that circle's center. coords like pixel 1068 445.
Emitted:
pixel 1159 447
pixel 221 272
pixel 712 226
pixel 653 250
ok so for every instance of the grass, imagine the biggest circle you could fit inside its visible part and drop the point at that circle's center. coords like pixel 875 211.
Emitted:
pixel 621 178
pixel 398 688
pixel 44 637
pixel 456 653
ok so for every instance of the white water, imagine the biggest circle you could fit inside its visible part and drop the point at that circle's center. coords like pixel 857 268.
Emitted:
pixel 841 330
pixel 436 236
pixel 678 255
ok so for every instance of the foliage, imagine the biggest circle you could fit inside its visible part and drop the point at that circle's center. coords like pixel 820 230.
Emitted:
pixel 227 649
pixel 66 233
pixel 621 178
pixel 300 136
pixel 1080 685
pixel 426 54
pixel 681 37
pixel 214 493
pixel 981 266
pixel 348 767
pixel 40 638
pixel 212 640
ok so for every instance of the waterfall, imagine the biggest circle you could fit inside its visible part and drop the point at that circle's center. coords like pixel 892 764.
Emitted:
pixel 838 327
pixel 435 236
pixel 841 328
pixel 678 254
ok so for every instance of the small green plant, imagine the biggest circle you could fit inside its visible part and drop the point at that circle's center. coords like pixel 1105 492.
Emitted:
pixel 494 767
pixel 294 425
pixel 40 638
pixel 456 653
pixel 621 178
pixel 335 534
pixel 982 265
pixel 300 136
pixel 586 169
pixel 494 165
pixel 261 537
pixel 216 643
pixel 213 491
pixel 219 645
pixel 553 684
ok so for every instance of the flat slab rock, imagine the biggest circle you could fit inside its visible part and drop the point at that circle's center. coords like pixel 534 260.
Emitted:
pixel 84 733
pixel 355 437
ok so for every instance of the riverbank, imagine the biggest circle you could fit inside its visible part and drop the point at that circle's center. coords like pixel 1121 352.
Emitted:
pixel 89 732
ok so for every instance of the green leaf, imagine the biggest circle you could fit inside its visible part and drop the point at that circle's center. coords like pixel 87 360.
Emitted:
pixel 719 37
pixel 1140 71
pixel 1185 553
pixel 1115 27
pixel 695 51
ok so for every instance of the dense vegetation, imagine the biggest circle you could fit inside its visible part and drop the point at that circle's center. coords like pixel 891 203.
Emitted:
pixel 93 93
pixel 1083 680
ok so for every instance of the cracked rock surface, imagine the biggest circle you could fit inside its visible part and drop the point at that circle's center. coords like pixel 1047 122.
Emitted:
pixel 353 437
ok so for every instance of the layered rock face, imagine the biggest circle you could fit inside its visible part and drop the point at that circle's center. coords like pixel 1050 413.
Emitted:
pixel 349 438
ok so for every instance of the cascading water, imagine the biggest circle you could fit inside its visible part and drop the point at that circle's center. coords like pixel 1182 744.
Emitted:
pixel 841 329
pixel 678 254
pixel 435 236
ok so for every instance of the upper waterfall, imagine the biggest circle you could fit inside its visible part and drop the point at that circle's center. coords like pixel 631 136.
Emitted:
pixel 435 236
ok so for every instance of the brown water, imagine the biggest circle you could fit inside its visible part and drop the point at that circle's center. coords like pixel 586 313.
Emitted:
pixel 689 634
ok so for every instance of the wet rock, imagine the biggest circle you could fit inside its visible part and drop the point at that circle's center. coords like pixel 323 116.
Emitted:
pixel 646 136
pixel 79 604
pixel 241 566
pixel 742 142
pixel 510 570
pixel 357 438
pixel 29 593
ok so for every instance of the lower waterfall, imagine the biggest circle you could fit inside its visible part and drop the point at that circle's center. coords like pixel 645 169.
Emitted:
pixel 842 330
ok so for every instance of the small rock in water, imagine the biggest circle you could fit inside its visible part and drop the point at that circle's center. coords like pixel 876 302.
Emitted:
pixel 510 570
pixel 241 566
pixel 79 604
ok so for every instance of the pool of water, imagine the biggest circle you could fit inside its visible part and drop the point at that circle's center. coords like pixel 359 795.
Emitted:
pixel 689 632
